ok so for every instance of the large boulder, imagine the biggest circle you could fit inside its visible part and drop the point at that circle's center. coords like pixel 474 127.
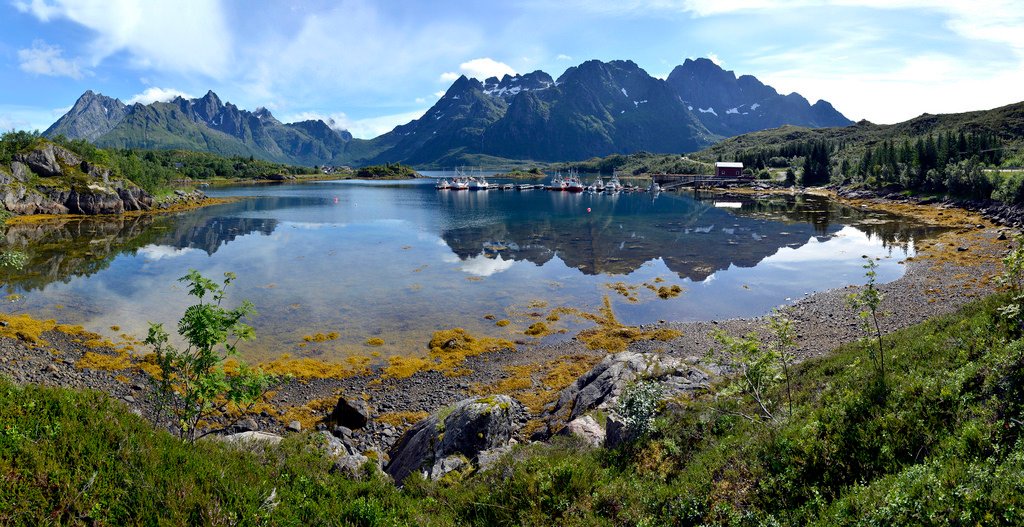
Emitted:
pixel 251 438
pixel 352 466
pixel 587 429
pixel 352 414
pixel 601 387
pixel 20 171
pixel 453 438
pixel 49 160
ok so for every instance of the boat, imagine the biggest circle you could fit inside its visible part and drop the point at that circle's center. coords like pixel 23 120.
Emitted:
pixel 557 183
pixel 443 184
pixel 613 185
pixel 508 186
pixel 478 183
pixel 573 184
pixel 525 186
pixel 655 187
pixel 460 184
pixel 599 184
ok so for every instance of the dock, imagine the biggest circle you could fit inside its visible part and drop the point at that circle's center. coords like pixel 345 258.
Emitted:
pixel 674 181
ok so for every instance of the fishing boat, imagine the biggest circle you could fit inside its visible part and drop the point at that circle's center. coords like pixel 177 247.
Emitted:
pixel 573 184
pixel 655 187
pixel 460 184
pixel 557 183
pixel 613 185
pixel 479 184
pixel 443 184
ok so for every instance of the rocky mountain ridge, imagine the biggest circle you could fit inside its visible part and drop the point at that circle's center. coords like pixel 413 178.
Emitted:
pixel 593 109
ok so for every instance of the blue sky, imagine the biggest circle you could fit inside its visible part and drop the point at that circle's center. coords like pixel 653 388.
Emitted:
pixel 371 65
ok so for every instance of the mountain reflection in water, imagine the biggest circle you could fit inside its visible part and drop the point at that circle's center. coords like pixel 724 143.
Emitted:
pixel 398 260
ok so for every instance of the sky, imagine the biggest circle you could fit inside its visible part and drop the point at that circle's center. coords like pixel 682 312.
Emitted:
pixel 368 66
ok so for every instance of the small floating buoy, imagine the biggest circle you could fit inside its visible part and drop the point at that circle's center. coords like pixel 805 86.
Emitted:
pixel 335 200
pixel 588 209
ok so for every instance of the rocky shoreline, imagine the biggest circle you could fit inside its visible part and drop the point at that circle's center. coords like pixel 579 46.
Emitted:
pixel 947 273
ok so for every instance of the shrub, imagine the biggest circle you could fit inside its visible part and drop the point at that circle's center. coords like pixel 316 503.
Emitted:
pixel 638 405
pixel 192 384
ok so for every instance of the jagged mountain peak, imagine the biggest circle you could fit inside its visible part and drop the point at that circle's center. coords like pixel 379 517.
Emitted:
pixel 511 85
pixel 91 116
pixel 594 108
pixel 729 105
pixel 264 115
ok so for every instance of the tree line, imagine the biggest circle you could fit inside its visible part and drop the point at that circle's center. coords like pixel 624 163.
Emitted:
pixel 943 163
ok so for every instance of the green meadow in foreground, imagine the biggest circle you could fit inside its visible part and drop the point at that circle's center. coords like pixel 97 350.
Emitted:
pixel 939 443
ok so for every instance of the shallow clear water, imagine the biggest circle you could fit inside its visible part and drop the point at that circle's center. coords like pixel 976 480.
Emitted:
pixel 398 260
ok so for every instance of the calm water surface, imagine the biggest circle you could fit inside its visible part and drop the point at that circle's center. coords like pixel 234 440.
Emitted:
pixel 398 260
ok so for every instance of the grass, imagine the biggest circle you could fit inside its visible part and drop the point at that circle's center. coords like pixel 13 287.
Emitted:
pixel 942 446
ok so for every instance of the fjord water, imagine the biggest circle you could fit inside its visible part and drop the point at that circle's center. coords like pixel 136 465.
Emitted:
pixel 398 260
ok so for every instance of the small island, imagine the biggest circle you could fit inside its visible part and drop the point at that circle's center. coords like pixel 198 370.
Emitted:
pixel 385 171
pixel 533 173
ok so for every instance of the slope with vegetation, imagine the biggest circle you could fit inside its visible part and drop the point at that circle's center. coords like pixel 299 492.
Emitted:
pixel 938 442
pixel 931 154
pixel 40 175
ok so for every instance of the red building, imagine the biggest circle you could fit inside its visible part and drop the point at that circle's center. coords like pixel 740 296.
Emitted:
pixel 728 170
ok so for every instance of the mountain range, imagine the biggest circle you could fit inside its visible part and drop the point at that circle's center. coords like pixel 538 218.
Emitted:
pixel 594 109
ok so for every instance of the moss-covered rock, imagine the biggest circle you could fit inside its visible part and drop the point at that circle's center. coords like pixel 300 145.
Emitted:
pixel 50 179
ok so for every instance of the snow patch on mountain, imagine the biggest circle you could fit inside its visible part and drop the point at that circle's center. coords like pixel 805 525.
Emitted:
pixel 710 110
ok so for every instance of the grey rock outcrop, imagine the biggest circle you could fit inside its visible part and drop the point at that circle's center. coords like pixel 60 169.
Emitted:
pixel 97 193
pixel 20 171
pixel 351 466
pixel 586 429
pixel 352 414
pixel 49 160
pixel 250 438
pixel 616 432
pixel 601 386
pixel 435 445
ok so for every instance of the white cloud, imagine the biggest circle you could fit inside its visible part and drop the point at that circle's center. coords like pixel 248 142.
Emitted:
pixel 185 36
pixel 449 76
pixel 562 56
pixel 18 117
pixel 161 252
pixel 439 94
pixel 481 265
pixel 420 100
pixel 154 94
pixel 44 59
pixel 382 57
pixel 485 67
pixel 367 128
pixel 373 126
pixel 919 84
pixel 714 58
pixel 8 123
